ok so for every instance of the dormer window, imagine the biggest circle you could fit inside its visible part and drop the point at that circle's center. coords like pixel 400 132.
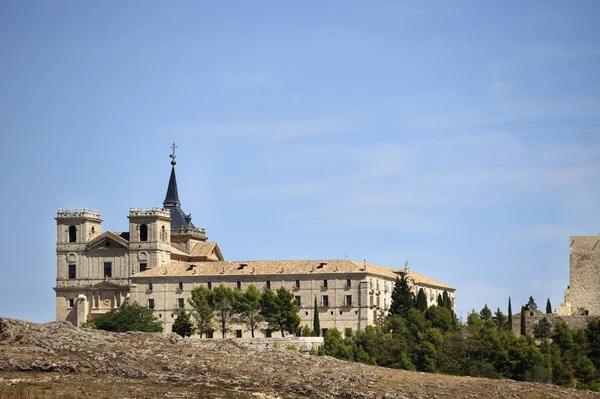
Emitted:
pixel 72 234
pixel 144 232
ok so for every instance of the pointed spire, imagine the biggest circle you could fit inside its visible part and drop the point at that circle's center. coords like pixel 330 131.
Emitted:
pixel 172 198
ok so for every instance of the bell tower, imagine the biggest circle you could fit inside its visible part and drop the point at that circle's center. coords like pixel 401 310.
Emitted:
pixel 149 237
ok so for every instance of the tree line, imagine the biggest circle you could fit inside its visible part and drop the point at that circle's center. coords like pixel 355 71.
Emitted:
pixel 414 336
pixel 222 307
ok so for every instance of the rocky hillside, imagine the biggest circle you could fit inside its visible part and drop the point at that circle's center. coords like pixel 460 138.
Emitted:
pixel 58 360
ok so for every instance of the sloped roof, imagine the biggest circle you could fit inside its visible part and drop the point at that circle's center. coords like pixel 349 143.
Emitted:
pixel 275 267
pixel 107 235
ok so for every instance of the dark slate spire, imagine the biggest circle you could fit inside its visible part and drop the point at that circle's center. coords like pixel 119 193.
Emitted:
pixel 172 198
pixel 179 220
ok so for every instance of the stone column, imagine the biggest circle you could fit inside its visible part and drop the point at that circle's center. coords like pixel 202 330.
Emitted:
pixel 82 309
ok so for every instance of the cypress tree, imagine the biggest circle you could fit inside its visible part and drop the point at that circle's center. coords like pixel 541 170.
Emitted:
pixel 316 321
pixel 548 306
pixel 510 324
pixel 402 297
pixel 446 302
pixel 440 301
pixel 523 326
pixel 421 302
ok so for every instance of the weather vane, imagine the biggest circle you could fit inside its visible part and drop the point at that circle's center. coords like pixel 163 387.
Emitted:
pixel 172 156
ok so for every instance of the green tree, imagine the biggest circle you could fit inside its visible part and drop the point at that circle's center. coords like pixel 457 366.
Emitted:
pixel 439 317
pixel 485 313
pixel 128 318
pixel 548 306
pixel 225 303
pixel 249 307
pixel 543 329
pixel 402 297
pixel 440 301
pixel 523 323
pixel 499 319
pixel 421 302
pixel 183 324
pixel 510 321
pixel 279 311
pixel 202 311
pixel 531 305
pixel 447 302
pixel 316 321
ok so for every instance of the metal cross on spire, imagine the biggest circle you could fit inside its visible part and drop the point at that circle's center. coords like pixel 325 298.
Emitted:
pixel 172 156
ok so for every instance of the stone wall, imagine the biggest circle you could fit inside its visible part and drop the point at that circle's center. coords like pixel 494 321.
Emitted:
pixel 533 317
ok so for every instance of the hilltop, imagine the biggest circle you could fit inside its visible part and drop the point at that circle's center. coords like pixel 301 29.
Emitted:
pixel 59 360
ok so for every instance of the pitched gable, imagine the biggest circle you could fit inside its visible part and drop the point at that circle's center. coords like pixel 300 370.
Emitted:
pixel 107 240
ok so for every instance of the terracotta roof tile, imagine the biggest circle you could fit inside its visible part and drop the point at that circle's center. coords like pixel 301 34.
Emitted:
pixel 275 267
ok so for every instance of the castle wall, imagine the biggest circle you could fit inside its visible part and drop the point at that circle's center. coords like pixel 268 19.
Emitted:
pixel 584 289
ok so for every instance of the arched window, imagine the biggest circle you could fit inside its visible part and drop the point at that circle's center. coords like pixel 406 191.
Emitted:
pixel 72 234
pixel 163 234
pixel 93 231
pixel 143 232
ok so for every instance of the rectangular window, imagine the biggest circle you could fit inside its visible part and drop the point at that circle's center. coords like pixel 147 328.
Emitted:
pixel 71 303
pixel 323 332
pixel 143 267
pixel 150 303
pixel 325 300
pixel 180 286
pixel 298 333
pixel 209 284
pixel 107 269
pixel 238 333
pixel 72 271
pixel 209 334
pixel 324 283
pixel 297 284
pixel 149 286
pixel 378 301
pixel 238 285
pixel 298 300
pixel 268 333
pixel 371 300
pixel 180 303
pixel 348 283
pixel 348 300
pixel 371 283
pixel 268 284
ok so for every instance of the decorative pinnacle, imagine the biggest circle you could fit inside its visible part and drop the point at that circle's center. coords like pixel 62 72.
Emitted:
pixel 172 156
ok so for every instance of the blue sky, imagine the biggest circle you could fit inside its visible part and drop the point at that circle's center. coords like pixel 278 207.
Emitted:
pixel 463 136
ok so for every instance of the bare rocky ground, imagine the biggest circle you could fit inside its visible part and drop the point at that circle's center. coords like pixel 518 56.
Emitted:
pixel 57 360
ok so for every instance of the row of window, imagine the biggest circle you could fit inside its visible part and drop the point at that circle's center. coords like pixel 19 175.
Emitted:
pixel 143 233
pixel 107 270
pixel 238 284
pixel 298 300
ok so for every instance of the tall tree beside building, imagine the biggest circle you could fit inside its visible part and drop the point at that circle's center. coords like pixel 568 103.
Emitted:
pixel 279 310
pixel 249 308
pixel 224 303
pixel 523 323
pixel 202 310
pixel 316 321
pixel 440 301
pixel 510 323
pixel 548 306
pixel 421 302
pixel 183 324
pixel 447 302
pixel 402 297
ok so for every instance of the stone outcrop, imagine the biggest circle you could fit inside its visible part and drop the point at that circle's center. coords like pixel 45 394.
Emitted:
pixel 60 360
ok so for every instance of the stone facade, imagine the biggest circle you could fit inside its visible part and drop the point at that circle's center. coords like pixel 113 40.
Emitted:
pixel 164 256
pixel 533 317
pixel 582 296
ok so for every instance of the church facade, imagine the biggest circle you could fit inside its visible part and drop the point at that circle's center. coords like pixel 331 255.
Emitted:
pixel 164 256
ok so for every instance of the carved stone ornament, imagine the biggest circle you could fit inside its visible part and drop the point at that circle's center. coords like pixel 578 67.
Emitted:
pixel 142 256
pixel 71 257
